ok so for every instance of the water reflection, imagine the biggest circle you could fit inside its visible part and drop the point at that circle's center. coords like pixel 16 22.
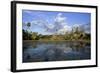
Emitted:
pixel 55 51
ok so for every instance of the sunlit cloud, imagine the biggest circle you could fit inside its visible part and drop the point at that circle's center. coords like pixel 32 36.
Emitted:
pixel 85 27
pixel 58 24
pixel 59 18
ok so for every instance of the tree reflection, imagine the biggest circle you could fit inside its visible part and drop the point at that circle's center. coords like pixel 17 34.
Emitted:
pixel 56 51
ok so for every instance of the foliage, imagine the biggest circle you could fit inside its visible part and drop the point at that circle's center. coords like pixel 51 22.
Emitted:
pixel 75 34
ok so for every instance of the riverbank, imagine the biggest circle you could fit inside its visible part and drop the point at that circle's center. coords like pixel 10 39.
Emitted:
pixel 85 41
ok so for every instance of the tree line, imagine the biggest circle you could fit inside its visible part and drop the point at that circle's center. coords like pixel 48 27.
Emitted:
pixel 74 34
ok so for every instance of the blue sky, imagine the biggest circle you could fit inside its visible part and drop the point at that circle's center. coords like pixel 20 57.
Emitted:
pixel 45 22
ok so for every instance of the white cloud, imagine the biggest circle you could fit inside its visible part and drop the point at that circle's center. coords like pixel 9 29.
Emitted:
pixel 59 24
pixel 83 27
pixel 77 25
pixel 50 26
pixel 59 18
pixel 38 22
pixel 65 29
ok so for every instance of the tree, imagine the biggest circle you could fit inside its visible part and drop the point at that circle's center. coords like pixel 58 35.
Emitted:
pixel 28 27
pixel 34 36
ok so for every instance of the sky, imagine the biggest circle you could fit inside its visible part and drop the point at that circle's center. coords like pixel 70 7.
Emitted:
pixel 50 22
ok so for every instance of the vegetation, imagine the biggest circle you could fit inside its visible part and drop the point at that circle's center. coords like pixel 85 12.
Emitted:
pixel 75 34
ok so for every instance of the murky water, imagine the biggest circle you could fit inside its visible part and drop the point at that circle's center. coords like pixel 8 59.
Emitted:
pixel 38 51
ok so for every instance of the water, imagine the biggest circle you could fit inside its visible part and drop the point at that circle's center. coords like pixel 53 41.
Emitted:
pixel 39 51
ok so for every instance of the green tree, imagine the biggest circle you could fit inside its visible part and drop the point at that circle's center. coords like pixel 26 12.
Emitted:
pixel 35 36
pixel 28 27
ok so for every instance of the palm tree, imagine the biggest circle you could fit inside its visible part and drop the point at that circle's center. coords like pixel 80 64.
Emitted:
pixel 28 24
pixel 28 27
